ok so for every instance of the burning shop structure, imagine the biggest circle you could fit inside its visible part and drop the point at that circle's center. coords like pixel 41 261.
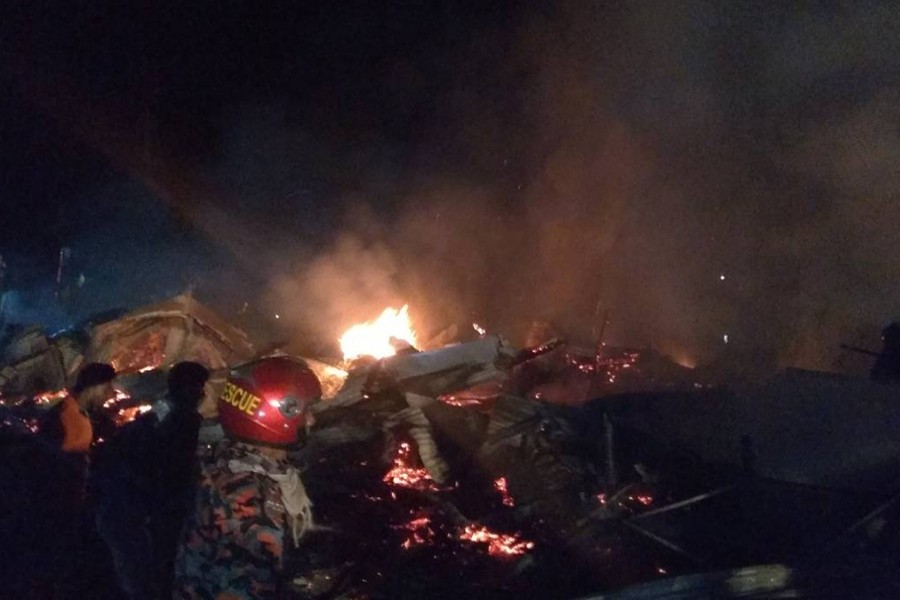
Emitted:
pixel 476 468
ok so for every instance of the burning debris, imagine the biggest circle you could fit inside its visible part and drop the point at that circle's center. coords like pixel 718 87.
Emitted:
pixel 500 486
pixel 474 468
pixel 419 533
pixel 403 475
pixel 380 338
pixel 171 331
pixel 498 544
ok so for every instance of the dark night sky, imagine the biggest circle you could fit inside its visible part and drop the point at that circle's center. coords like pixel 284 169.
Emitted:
pixel 493 161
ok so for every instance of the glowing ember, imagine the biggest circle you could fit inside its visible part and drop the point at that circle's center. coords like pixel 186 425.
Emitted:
pixel 608 367
pixel 499 544
pixel 419 532
pixel 373 338
pixel 456 401
pixel 402 475
pixel 644 499
pixel 124 414
pixel 500 486
pixel 127 415
pixel 120 397
pixel 51 397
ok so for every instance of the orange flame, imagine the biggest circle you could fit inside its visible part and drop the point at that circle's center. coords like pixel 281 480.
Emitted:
pixel 373 338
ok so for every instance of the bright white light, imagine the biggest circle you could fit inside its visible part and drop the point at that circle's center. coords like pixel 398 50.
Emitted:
pixel 277 316
pixel 725 338
pixel 722 277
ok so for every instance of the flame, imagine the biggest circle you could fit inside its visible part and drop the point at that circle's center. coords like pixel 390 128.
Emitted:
pixel 373 338
pixel 499 544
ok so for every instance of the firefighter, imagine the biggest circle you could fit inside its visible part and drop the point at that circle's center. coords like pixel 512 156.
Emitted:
pixel 68 424
pixel 72 426
pixel 177 432
pixel 251 503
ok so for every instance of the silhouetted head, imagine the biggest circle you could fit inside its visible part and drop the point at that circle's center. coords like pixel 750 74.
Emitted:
pixel 186 383
pixel 94 385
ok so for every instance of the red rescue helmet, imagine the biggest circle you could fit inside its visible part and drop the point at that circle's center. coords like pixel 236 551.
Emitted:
pixel 266 401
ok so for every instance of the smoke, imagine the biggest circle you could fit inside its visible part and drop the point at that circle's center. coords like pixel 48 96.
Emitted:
pixel 696 171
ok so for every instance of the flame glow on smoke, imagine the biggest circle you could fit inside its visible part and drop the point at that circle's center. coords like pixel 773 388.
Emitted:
pixel 373 338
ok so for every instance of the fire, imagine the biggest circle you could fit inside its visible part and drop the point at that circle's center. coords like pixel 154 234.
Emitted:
pixel 500 486
pixel 51 397
pixel 499 544
pixel 420 532
pixel 373 338
pixel 119 397
pixel 127 415
pixel 645 499
pixel 402 475
pixel 124 414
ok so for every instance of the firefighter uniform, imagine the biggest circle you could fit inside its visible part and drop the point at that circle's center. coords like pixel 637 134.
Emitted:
pixel 234 541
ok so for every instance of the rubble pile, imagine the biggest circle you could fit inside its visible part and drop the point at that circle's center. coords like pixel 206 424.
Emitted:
pixel 479 469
